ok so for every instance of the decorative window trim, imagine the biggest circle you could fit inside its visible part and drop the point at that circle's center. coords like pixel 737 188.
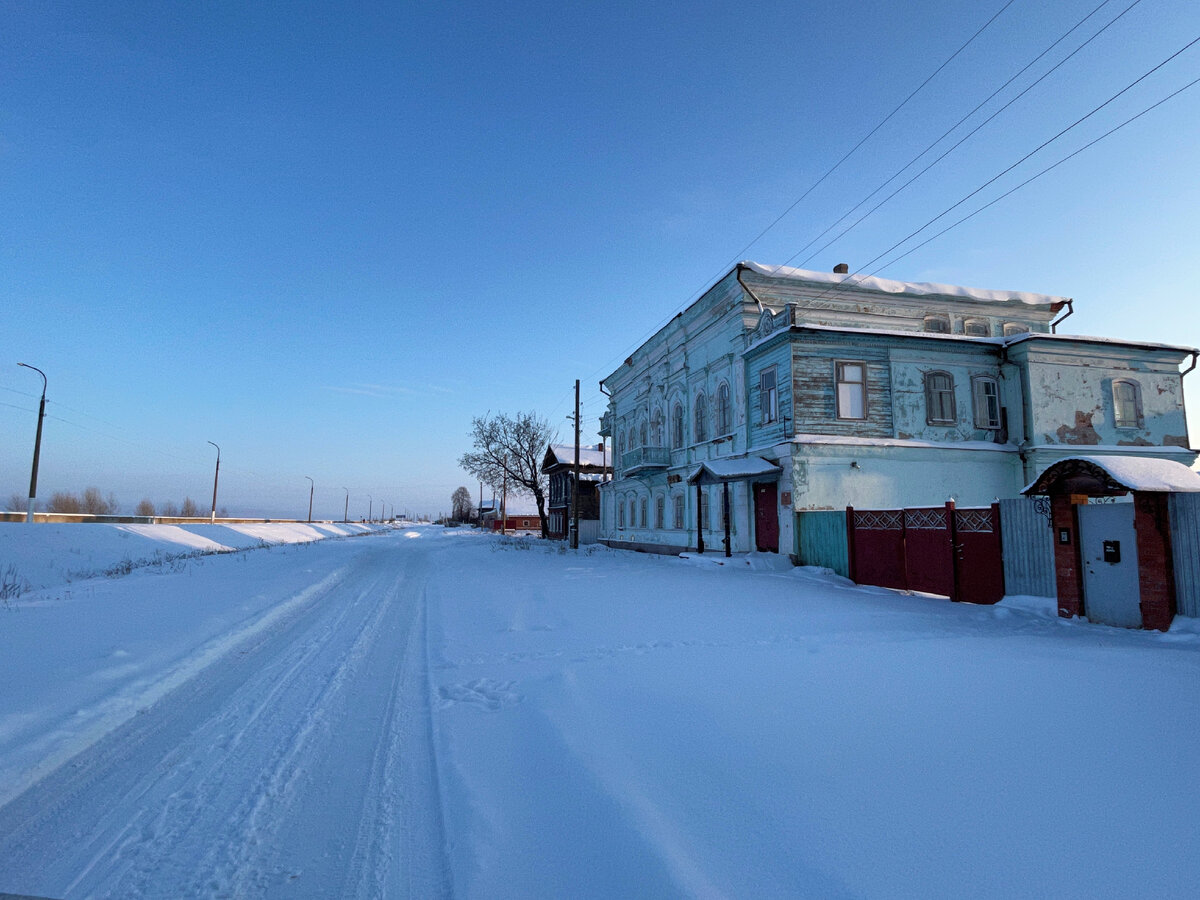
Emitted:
pixel 677 425
pixel 936 397
pixel 979 400
pixel 937 324
pixel 645 517
pixel 700 419
pixel 1127 412
pixel 1012 329
pixel 977 328
pixel 839 371
pixel 660 512
pixel 724 411
pixel 677 512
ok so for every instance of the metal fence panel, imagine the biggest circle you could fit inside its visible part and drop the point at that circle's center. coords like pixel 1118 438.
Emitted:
pixel 1185 548
pixel 821 540
pixel 1028 548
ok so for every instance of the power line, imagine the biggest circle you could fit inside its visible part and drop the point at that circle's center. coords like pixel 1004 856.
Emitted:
pixel 851 280
pixel 965 138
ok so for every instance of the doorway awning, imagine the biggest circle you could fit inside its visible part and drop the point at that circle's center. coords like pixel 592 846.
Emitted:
pixel 716 471
pixel 1101 475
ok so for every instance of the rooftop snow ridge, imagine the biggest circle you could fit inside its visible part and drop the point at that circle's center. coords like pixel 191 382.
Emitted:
pixel 916 289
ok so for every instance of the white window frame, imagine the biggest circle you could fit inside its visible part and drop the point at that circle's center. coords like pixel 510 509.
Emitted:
pixel 935 397
pixel 987 404
pixel 977 328
pixel 937 324
pixel 843 393
pixel 1131 416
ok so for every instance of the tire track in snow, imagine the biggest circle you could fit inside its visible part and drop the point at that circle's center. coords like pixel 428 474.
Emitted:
pixel 223 789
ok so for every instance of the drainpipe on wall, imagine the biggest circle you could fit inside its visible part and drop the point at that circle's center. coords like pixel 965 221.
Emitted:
pixel 1070 310
pixel 746 287
pixel 1182 397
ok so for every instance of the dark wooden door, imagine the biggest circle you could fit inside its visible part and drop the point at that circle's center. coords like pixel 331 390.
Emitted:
pixel 766 517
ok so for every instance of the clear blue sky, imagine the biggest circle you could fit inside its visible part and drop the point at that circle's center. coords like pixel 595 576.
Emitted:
pixel 327 235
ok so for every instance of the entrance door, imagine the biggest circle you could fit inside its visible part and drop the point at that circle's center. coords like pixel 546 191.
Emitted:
pixel 766 517
pixel 1108 547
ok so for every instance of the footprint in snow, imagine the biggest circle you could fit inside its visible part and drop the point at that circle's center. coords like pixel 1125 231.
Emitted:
pixel 481 692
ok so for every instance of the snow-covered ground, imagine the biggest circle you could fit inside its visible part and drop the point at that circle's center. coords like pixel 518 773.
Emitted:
pixel 433 713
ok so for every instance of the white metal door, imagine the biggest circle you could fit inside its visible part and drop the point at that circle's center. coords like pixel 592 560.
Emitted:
pixel 1108 545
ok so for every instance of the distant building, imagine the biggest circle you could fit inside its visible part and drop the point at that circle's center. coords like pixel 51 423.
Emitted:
pixel 594 468
pixel 782 391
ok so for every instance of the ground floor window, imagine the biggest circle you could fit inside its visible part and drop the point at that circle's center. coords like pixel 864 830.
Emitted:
pixel 677 510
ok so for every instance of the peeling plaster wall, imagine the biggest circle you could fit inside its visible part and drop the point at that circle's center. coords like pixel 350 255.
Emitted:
pixel 1071 402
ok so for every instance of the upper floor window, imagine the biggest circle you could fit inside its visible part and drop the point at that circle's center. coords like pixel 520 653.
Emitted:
pixel 677 425
pixel 851 380
pixel 724 420
pixel 937 324
pixel 701 411
pixel 1127 404
pixel 656 429
pixel 939 398
pixel 768 396
pixel 977 328
pixel 1014 328
pixel 985 392
pixel 643 434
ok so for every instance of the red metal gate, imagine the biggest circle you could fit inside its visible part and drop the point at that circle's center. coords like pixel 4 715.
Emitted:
pixel 935 550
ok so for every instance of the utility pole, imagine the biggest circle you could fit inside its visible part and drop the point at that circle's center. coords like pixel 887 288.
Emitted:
pixel 212 516
pixel 575 480
pixel 504 500
pixel 311 485
pixel 370 506
pixel 37 444
pixel 346 512
pixel 479 515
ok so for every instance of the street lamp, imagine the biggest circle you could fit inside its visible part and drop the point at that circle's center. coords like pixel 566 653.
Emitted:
pixel 311 485
pixel 212 516
pixel 37 443
pixel 346 512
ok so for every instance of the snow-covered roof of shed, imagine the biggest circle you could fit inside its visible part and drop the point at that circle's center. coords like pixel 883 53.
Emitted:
pixel 733 469
pixel 1133 473
pixel 564 454
pixel 916 289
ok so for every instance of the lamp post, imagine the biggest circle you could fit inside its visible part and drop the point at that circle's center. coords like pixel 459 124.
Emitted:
pixel 37 443
pixel 212 516
pixel 370 506
pixel 346 512
pixel 311 485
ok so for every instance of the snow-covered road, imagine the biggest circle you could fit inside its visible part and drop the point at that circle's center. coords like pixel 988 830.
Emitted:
pixel 298 762
pixel 434 712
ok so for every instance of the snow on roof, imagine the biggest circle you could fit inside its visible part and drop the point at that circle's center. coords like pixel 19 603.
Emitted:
pixel 1087 339
pixel 920 289
pixel 1135 473
pixel 733 469
pixel 564 454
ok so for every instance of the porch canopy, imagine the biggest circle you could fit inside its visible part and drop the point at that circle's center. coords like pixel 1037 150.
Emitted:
pixel 1111 475
pixel 716 471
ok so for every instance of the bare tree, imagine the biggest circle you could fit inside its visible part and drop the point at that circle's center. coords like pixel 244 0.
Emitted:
pixel 169 510
pixel 94 503
pixel 511 449
pixel 189 509
pixel 17 503
pixel 145 507
pixel 64 502
pixel 460 502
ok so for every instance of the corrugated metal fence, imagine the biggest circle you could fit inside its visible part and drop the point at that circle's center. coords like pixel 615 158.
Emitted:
pixel 1184 511
pixel 1028 548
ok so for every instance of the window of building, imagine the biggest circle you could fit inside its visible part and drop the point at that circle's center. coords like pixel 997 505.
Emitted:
pixel 632 513
pixel 1127 404
pixel 977 328
pixel 620 513
pixel 939 398
pixel 724 418
pixel 985 392
pixel 851 380
pixel 656 429
pixel 660 512
pixel 643 433
pixel 643 519
pixel 985 395
pixel 701 412
pixel 704 518
pixel 937 324
pixel 677 426
pixel 677 511
pixel 1013 328
pixel 768 396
